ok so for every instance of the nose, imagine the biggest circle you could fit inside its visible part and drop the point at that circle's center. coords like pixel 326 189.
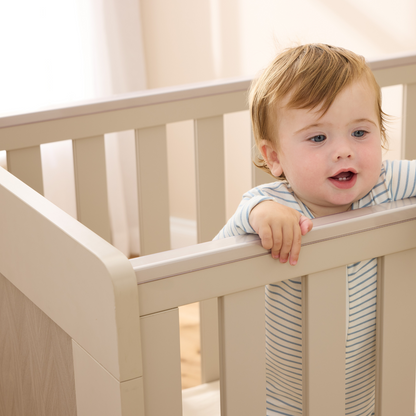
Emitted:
pixel 343 150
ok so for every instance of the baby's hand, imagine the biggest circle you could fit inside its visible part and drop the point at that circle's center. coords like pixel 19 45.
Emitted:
pixel 280 229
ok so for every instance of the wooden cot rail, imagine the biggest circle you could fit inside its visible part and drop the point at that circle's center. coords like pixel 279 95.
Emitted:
pixel 86 288
pixel 235 270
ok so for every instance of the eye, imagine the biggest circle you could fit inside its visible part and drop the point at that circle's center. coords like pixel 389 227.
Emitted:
pixel 318 139
pixel 359 133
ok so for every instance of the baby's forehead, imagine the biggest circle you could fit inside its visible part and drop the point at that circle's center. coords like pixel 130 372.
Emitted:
pixel 297 99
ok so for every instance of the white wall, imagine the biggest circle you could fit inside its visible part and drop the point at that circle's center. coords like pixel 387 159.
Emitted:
pixel 188 41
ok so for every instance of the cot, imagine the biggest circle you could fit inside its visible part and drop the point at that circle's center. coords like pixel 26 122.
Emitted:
pixel 86 331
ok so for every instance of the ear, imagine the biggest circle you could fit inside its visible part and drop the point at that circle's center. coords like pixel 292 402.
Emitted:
pixel 271 157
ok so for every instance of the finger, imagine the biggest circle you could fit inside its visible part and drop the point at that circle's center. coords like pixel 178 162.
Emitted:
pixel 296 245
pixel 266 237
pixel 277 242
pixel 286 245
pixel 305 224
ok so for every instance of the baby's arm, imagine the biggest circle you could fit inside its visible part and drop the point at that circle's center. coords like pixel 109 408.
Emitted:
pixel 280 229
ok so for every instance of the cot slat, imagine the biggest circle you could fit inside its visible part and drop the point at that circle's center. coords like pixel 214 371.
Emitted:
pixel 396 338
pixel 161 363
pixel 409 121
pixel 210 194
pixel 26 164
pixel 153 191
pixel 210 177
pixel 324 297
pixel 242 352
pixel 91 185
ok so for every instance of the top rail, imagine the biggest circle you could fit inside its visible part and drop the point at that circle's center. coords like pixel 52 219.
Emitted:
pixel 336 240
pixel 130 100
pixel 166 95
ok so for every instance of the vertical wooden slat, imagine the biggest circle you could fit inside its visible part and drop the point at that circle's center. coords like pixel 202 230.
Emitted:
pixel 26 164
pixel 210 193
pixel 153 190
pixel 409 122
pixel 161 363
pixel 91 185
pixel 396 335
pixel 210 177
pixel 242 346
pixel 324 314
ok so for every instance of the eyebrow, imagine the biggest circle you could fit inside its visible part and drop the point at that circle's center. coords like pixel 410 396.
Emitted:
pixel 359 120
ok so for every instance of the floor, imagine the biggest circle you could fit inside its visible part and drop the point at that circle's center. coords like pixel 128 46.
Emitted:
pixel 190 345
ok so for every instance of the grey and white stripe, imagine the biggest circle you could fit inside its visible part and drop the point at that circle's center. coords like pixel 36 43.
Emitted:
pixel 283 302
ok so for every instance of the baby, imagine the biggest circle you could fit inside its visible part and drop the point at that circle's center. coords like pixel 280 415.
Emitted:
pixel 318 124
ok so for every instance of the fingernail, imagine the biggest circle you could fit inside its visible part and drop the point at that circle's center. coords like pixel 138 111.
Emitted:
pixel 275 256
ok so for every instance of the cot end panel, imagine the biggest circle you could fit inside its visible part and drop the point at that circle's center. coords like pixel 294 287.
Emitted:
pixel 81 282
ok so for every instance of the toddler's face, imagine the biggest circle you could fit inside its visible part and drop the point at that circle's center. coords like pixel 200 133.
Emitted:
pixel 332 160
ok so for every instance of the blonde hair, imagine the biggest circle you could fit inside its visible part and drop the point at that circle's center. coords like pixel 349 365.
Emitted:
pixel 313 74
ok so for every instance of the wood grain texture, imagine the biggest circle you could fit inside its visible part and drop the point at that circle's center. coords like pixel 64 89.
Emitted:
pixel 36 366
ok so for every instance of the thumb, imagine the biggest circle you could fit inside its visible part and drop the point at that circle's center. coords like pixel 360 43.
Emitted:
pixel 305 224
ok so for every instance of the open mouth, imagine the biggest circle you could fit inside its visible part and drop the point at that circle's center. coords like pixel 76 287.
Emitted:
pixel 344 180
pixel 343 176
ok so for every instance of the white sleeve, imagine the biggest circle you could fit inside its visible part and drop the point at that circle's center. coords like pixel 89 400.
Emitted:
pixel 239 223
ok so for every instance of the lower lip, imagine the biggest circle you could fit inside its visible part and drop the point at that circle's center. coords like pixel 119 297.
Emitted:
pixel 344 184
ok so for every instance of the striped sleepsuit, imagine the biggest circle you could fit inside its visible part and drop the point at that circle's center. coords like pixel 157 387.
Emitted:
pixel 283 303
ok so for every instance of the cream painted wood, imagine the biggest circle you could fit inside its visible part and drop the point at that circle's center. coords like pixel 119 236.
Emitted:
pixel 192 279
pixel 36 363
pixel 409 121
pixel 80 281
pixel 153 190
pixel 405 74
pixel 324 317
pixel 91 185
pixel 210 177
pixel 210 194
pixel 396 323
pixel 99 393
pixel 242 346
pixel 26 164
pixel 129 117
pixel 161 363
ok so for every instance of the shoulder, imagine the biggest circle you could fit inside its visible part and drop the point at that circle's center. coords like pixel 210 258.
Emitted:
pixel 273 189
pixel 397 180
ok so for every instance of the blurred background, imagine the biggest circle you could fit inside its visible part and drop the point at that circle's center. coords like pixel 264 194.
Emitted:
pixel 64 51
